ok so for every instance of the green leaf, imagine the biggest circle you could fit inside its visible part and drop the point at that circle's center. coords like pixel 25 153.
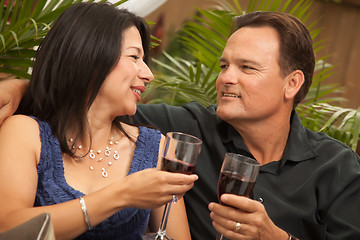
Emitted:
pixel 181 78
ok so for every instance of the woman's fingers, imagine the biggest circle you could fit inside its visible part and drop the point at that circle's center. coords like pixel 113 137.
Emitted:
pixel 152 188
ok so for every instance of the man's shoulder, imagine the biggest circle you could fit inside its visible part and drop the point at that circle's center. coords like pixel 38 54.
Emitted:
pixel 319 142
pixel 330 147
pixel 323 138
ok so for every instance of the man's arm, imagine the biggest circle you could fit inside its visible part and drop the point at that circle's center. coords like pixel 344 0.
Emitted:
pixel 167 118
pixel 11 93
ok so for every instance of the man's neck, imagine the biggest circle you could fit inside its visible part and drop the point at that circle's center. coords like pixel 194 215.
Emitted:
pixel 266 140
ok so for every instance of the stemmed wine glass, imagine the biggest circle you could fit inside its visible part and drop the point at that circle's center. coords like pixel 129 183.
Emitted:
pixel 180 156
pixel 237 176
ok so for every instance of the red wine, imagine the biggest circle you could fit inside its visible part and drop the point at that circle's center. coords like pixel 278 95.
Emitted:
pixel 233 184
pixel 177 166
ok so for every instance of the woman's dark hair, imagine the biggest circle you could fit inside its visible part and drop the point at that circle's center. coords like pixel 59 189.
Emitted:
pixel 72 62
pixel 296 50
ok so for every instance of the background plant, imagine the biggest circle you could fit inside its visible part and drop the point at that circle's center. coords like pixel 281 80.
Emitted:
pixel 23 25
pixel 190 74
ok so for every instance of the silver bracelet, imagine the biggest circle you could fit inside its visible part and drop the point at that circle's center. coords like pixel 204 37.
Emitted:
pixel 84 210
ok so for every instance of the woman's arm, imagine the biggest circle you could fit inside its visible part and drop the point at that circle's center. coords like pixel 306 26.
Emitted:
pixel 177 227
pixel 20 147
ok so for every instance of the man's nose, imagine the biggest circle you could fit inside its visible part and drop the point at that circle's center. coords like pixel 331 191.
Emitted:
pixel 228 76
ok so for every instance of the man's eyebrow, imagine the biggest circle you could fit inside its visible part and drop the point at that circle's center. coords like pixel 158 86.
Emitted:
pixel 247 61
pixel 242 61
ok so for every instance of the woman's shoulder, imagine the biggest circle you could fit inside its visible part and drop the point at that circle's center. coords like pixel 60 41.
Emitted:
pixel 19 123
pixel 130 129
pixel 23 131
pixel 20 128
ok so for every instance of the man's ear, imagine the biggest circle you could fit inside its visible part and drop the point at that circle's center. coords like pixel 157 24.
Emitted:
pixel 294 81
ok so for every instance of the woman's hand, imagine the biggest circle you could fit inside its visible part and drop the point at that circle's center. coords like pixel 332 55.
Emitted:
pixel 11 92
pixel 252 216
pixel 151 188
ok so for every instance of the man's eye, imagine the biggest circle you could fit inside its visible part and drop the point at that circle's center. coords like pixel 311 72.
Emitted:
pixel 223 66
pixel 248 67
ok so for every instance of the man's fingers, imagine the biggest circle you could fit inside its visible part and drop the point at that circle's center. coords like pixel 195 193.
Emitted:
pixel 4 113
pixel 240 202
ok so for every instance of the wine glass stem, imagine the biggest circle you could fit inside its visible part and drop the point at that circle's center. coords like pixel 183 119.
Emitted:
pixel 219 236
pixel 162 228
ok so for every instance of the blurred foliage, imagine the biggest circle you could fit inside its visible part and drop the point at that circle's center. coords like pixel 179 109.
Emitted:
pixel 23 25
pixel 189 73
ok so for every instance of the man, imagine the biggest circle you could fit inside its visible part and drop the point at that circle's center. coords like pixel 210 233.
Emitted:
pixel 309 184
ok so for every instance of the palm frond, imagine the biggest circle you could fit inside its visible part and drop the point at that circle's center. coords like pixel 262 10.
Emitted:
pixel 203 39
pixel 190 82
pixel 23 25
pixel 340 123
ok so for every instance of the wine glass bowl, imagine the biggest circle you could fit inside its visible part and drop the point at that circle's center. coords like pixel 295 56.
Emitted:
pixel 237 176
pixel 180 153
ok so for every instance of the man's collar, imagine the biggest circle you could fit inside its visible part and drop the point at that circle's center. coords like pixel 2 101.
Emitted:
pixel 298 147
pixel 229 134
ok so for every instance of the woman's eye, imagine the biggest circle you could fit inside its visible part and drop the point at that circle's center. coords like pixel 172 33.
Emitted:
pixel 134 57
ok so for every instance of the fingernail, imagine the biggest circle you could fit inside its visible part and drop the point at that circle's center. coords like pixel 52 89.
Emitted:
pixel 211 206
pixel 224 198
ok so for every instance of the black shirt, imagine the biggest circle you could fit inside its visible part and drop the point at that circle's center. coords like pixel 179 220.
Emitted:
pixel 313 192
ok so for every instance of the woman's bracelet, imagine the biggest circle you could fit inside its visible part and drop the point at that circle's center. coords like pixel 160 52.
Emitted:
pixel 84 210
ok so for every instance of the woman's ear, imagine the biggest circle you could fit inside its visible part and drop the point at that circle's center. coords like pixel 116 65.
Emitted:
pixel 294 81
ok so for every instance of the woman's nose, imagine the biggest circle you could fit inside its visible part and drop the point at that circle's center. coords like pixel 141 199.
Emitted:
pixel 145 73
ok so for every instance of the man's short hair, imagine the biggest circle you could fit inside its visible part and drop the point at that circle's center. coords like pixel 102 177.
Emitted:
pixel 296 47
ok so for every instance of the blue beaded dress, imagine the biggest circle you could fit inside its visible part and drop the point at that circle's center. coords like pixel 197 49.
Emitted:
pixel 129 223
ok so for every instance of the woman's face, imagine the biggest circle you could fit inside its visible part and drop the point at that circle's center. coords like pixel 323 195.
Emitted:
pixel 122 88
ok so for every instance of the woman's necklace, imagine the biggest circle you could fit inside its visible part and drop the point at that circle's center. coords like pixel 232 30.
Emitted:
pixel 99 155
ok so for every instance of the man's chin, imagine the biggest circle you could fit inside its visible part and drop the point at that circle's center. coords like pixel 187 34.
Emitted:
pixel 224 113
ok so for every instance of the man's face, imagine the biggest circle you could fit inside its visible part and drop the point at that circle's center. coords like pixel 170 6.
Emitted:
pixel 250 86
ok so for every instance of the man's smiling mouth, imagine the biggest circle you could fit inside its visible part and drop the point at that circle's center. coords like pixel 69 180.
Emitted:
pixel 231 95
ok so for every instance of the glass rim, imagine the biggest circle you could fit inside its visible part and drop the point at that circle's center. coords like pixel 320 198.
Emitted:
pixel 197 140
pixel 250 160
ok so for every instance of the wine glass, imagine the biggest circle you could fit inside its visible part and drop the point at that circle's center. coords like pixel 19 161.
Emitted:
pixel 180 156
pixel 237 176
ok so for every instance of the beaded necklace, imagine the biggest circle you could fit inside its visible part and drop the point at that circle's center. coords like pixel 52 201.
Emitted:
pixel 108 155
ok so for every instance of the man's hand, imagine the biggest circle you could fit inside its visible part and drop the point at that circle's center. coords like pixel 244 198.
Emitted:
pixel 11 92
pixel 244 218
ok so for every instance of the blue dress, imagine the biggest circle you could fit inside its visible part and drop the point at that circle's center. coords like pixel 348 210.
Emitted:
pixel 129 223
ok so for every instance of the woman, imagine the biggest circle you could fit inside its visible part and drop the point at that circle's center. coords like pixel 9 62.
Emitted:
pixel 74 158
